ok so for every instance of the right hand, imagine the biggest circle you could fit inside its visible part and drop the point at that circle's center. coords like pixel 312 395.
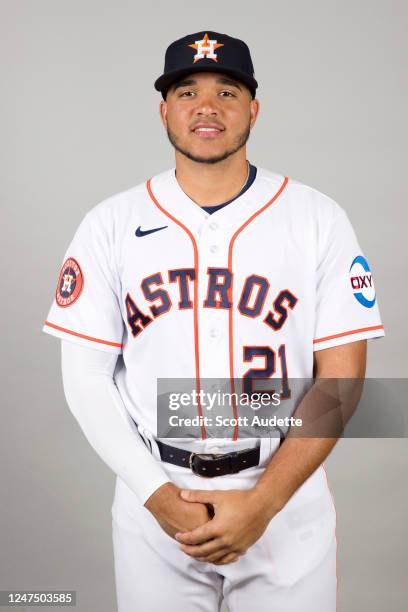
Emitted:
pixel 173 513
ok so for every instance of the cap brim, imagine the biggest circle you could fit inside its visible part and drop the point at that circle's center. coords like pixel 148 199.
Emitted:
pixel 163 83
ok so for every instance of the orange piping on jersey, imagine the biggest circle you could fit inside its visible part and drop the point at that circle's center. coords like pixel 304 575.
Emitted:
pixel 349 333
pixel 195 305
pixel 69 331
pixel 229 292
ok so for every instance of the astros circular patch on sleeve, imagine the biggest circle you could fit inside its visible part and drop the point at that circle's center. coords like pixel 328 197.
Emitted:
pixel 70 283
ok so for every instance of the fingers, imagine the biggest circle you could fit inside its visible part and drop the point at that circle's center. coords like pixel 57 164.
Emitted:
pixel 221 558
pixel 205 550
pixel 196 495
pixel 228 558
pixel 198 536
pixel 214 557
pixel 216 551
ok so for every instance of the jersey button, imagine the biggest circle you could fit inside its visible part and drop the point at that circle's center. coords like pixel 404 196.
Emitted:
pixel 213 248
pixel 213 332
pixel 213 225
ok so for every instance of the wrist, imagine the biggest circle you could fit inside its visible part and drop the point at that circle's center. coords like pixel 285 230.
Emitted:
pixel 161 497
pixel 269 503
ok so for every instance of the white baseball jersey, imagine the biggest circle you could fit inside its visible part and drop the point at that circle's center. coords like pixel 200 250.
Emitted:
pixel 249 291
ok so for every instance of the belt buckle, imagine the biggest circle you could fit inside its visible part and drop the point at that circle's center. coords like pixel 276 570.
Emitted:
pixel 200 456
pixel 212 456
pixel 190 461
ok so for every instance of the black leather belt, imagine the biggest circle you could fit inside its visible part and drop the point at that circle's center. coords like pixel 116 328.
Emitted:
pixel 207 464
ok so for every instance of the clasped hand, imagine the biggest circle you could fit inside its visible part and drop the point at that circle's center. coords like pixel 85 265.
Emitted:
pixel 239 519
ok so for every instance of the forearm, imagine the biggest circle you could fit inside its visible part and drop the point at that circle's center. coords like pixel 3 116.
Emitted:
pixel 324 410
pixel 95 402
pixel 289 468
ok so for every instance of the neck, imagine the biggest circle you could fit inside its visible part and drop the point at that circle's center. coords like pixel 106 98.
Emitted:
pixel 210 184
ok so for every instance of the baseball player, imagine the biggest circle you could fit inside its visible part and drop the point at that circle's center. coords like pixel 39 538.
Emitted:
pixel 214 269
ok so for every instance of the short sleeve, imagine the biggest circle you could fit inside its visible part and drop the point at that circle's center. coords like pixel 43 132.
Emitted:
pixel 85 308
pixel 346 302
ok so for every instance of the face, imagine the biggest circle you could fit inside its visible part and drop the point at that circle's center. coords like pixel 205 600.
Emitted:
pixel 208 116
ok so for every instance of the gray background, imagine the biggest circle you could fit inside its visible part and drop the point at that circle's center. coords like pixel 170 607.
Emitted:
pixel 80 122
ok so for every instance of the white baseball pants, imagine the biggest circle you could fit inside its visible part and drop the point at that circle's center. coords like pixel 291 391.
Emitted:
pixel 291 568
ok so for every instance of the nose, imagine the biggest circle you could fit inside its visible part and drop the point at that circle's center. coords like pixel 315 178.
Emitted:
pixel 206 105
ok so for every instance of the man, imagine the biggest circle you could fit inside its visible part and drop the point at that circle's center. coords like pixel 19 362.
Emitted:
pixel 214 269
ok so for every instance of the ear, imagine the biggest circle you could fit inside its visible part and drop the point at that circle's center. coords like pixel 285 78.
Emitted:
pixel 254 111
pixel 163 112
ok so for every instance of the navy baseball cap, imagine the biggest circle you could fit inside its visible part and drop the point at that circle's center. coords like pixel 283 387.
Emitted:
pixel 207 51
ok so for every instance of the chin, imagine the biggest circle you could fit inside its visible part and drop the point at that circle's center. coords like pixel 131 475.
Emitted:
pixel 207 157
pixel 204 152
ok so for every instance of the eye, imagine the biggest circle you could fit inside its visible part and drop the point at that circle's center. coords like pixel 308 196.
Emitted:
pixel 186 94
pixel 227 94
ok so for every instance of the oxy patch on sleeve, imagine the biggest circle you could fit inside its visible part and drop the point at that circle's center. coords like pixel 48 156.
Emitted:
pixel 362 283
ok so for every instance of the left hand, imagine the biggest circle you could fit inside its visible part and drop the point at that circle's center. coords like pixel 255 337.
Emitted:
pixel 239 520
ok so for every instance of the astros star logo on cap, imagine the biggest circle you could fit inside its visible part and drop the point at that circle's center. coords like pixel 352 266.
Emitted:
pixel 205 48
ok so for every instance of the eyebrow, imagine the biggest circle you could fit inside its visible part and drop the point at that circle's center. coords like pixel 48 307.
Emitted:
pixel 220 80
pixel 226 81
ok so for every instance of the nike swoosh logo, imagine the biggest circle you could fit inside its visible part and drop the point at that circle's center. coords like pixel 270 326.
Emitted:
pixel 139 232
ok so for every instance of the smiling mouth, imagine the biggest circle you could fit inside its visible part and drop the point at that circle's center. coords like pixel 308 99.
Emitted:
pixel 207 132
